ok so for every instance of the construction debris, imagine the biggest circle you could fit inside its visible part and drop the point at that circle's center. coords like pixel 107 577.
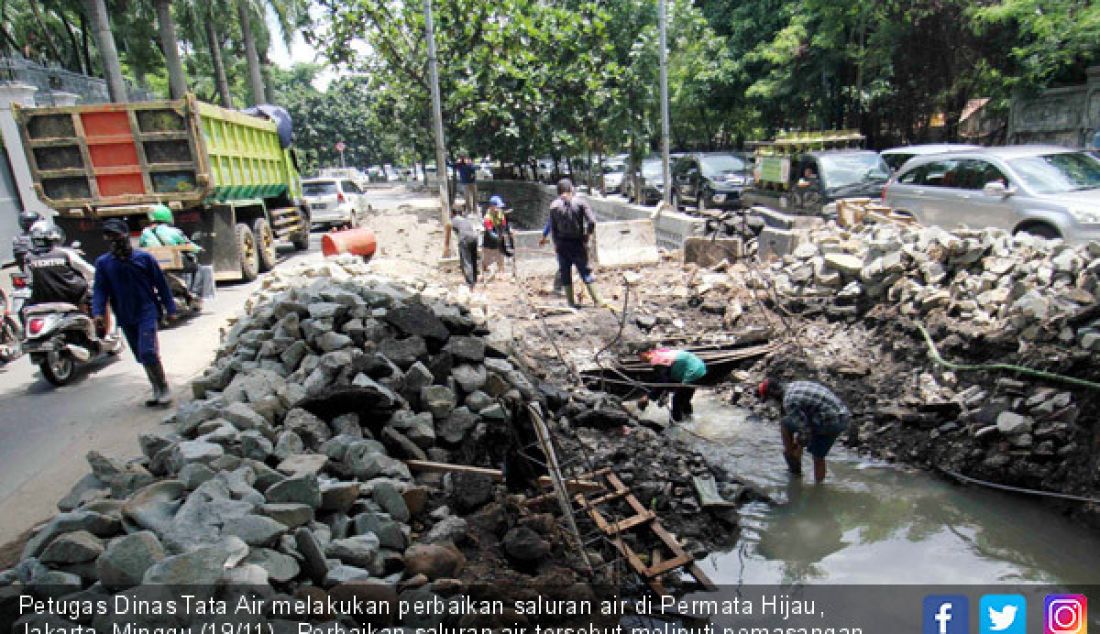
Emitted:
pixel 350 433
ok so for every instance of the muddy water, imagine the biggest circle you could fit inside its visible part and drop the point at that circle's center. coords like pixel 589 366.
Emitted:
pixel 875 523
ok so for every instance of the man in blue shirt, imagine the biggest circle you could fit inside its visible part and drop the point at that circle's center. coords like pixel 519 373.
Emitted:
pixel 132 282
pixel 467 177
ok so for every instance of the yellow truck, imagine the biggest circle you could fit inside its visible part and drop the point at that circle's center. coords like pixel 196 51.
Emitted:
pixel 230 183
pixel 806 173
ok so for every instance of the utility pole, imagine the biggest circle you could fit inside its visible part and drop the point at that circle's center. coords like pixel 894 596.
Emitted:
pixel 662 20
pixel 440 146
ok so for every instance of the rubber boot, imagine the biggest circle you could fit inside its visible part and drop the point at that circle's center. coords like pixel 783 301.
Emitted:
pixel 152 376
pixel 162 394
pixel 595 295
pixel 569 296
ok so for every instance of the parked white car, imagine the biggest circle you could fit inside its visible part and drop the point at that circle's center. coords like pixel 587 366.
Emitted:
pixel 1048 191
pixel 334 202
pixel 613 172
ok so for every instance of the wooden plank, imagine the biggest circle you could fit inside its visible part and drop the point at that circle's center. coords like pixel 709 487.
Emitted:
pixel 630 499
pixel 630 522
pixel 603 499
pixel 661 567
pixel 428 466
pixel 668 539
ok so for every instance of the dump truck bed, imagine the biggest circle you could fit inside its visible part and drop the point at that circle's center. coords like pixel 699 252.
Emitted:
pixel 182 151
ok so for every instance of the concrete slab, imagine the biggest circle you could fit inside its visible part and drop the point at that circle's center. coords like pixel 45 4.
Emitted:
pixel 776 242
pixel 626 243
pixel 706 252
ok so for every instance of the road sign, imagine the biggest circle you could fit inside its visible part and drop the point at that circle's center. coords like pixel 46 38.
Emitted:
pixel 340 146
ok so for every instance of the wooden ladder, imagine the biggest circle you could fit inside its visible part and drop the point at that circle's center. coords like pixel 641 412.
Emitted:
pixel 613 489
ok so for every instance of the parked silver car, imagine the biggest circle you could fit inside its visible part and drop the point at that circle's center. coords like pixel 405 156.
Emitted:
pixel 895 157
pixel 1048 191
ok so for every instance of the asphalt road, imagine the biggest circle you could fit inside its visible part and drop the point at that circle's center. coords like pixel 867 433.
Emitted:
pixel 46 432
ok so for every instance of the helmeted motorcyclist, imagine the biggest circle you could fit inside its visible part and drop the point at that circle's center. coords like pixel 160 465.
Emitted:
pixel 57 274
pixel 162 231
pixel 21 244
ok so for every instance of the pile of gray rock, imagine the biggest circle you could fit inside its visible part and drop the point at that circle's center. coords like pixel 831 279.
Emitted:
pixel 289 466
pixel 1017 285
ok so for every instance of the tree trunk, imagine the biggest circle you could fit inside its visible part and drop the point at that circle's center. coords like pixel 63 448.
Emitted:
pixel 85 48
pixel 46 35
pixel 166 32
pixel 108 54
pixel 255 76
pixel 216 59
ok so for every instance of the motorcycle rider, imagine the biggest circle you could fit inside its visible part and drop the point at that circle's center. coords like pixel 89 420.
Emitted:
pixel 57 274
pixel 131 280
pixel 162 232
pixel 21 244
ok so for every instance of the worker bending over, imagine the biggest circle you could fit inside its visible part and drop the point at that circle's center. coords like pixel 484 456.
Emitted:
pixel 674 366
pixel 813 417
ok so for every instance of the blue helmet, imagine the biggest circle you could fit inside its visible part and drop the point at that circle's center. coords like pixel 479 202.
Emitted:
pixel 497 201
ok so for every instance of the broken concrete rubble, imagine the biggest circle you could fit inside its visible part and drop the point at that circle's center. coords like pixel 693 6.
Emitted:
pixel 287 467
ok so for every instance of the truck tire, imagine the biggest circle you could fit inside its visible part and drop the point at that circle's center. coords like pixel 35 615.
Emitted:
pixel 265 241
pixel 300 240
pixel 247 252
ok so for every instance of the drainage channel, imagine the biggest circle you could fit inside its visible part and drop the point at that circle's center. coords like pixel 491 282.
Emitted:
pixel 874 523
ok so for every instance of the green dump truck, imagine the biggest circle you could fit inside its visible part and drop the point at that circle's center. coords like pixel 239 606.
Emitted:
pixel 230 183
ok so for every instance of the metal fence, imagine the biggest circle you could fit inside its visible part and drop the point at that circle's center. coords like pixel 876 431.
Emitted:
pixel 49 79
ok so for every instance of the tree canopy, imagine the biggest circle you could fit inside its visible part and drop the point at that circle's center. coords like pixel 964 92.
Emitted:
pixel 522 79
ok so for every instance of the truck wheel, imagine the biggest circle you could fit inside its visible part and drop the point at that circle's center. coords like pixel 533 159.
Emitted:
pixel 247 253
pixel 265 240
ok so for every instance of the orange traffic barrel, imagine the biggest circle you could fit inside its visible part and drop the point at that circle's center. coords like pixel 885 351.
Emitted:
pixel 355 241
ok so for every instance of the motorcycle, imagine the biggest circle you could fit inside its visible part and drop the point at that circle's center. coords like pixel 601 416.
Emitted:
pixel 10 331
pixel 20 293
pixel 60 335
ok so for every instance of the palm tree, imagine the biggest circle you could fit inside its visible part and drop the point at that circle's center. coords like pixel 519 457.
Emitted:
pixel 287 13
pixel 214 42
pixel 169 44
pixel 105 42
pixel 255 77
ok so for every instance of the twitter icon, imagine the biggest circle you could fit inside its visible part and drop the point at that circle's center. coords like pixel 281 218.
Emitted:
pixel 1002 614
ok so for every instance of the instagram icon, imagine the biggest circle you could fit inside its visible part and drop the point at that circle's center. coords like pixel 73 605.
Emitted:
pixel 1065 614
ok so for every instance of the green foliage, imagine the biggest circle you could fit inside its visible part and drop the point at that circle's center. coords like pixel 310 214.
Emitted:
pixel 522 79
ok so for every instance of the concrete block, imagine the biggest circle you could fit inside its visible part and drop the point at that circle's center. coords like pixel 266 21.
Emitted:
pixel 626 243
pixel 706 252
pixel 776 242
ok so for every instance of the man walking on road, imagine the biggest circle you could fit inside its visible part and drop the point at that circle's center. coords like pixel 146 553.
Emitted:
pixel 467 177
pixel 571 224
pixel 467 245
pixel 131 280
pixel 813 417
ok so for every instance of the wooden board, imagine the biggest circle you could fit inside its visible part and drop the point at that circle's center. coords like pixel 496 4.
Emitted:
pixel 427 466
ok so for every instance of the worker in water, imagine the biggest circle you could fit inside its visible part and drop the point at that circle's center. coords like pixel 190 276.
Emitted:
pixel 467 244
pixel 130 280
pixel 813 417
pixel 674 366
pixel 571 225
pixel 497 241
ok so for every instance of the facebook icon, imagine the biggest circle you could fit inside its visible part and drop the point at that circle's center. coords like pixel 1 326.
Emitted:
pixel 946 614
